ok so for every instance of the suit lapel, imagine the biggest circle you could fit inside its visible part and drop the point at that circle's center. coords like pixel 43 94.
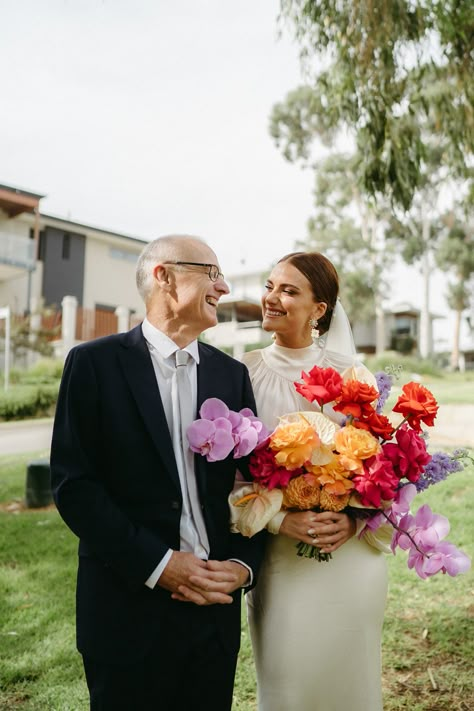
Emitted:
pixel 140 375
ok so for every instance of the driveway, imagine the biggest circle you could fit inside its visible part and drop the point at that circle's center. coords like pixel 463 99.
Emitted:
pixel 25 436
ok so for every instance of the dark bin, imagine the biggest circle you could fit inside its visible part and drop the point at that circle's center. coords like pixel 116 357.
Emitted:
pixel 38 484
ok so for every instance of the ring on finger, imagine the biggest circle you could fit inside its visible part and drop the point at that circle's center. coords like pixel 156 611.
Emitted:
pixel 311 532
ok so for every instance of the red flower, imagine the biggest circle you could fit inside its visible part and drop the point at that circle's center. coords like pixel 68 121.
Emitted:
pixel 378 425
pixel 320 384
pixel 418 405
pixel 266 472
pixel 409 457
pixel 378 482
pixel 356 398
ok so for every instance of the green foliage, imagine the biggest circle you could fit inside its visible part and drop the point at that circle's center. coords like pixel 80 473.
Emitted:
pixel 428 624
pixel 23 401
pixel 46 370
pixel 384 72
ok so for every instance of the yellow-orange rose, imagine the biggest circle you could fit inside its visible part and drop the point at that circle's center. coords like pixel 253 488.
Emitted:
pixel 293 443
pixel 355 445
pixel 334 478
pixel 302 492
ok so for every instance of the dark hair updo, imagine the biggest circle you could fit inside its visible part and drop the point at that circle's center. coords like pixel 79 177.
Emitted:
pixel 323 278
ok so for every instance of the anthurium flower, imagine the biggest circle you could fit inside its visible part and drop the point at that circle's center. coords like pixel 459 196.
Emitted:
pixel 354 446
pixel 252 506
pixel 417 404
pixel 377 483
pixel 409 456
pixel 356 398
pixel 320 384
pixel 211 438
pixel 293 444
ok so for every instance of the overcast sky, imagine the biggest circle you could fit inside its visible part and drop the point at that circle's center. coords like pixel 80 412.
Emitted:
pixel 151 116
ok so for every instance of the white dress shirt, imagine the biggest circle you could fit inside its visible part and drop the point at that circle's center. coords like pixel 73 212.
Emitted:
pixel 162 351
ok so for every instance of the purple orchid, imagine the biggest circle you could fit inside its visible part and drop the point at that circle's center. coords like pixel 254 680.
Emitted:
pixel 221 431
pixel 211 438
pixel 399 508
pixel 445 558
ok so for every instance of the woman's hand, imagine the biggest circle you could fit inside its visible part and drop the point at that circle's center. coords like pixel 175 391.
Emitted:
pixel 326 530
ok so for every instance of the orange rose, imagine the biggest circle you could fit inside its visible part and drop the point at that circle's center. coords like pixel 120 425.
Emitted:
pixel 356 398
pixel 354 446
pixel 302 493
pixel 293 443
pixel 417 404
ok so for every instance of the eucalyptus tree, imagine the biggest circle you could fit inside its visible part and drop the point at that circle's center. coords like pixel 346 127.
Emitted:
pixel 379 71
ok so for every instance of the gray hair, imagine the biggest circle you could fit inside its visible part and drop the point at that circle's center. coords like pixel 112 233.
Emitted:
pixel 162 249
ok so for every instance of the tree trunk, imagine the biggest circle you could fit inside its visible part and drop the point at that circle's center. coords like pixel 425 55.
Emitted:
pixel 425 344
pixel 455 350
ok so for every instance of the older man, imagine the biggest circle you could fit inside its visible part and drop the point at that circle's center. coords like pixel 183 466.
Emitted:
pixel 160 574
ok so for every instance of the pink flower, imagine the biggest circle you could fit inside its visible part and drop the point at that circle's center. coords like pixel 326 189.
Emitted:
pixel 445 558
pixel 409 457
pixel 211 438
pixel 377 482
pixel 426 529
pixel 399 508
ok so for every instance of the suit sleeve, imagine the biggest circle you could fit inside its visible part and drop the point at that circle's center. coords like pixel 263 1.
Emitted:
pixel 80 495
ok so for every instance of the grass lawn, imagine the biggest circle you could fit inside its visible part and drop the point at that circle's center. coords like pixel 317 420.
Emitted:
pixel 428 643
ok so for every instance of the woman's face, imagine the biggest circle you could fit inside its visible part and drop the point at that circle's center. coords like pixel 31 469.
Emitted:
pixel 288 305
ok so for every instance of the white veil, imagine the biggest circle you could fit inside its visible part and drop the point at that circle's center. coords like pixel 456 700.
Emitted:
pixel 337 344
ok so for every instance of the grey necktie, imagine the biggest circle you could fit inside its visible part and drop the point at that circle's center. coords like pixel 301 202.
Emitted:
pixel 186 417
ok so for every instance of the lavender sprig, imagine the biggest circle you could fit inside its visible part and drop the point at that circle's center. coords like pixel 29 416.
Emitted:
pixel 384 386
pixel 440 467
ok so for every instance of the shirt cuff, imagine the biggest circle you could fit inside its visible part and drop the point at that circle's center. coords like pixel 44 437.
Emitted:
pixel 155 576
pixel 250 580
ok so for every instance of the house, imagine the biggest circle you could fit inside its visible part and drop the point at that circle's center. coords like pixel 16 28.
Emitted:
pixel 44 258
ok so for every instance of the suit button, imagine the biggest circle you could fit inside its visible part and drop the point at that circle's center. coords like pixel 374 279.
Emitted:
pixel 175 505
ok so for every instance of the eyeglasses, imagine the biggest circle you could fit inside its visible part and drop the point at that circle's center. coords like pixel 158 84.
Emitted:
pixel 214 274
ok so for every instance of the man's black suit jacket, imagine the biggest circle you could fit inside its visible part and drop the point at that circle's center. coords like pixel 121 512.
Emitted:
pixel 116 485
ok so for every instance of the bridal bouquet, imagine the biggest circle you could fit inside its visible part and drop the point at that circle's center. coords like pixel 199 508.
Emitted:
pixel 365 466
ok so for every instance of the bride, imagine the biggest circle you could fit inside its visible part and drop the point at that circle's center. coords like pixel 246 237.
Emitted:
pixel 315 626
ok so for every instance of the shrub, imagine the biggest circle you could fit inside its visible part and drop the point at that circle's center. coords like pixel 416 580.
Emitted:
pixel 409 364
pixel 24 401
pixel 46 370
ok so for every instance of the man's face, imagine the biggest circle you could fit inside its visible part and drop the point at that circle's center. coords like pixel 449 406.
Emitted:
pixel 194 296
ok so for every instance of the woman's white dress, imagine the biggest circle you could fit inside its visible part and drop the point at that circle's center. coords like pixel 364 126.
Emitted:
pixel 315 626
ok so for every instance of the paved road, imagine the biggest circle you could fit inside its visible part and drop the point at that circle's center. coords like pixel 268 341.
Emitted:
pixel 454 428
pixel 25 436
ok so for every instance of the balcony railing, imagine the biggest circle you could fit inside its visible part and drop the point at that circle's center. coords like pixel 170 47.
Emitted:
pixel 17 251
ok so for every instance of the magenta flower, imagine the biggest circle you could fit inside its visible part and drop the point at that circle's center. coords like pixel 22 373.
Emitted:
pixel 377 483
pixel 409 457
pixel 212 408
pixel 266 471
